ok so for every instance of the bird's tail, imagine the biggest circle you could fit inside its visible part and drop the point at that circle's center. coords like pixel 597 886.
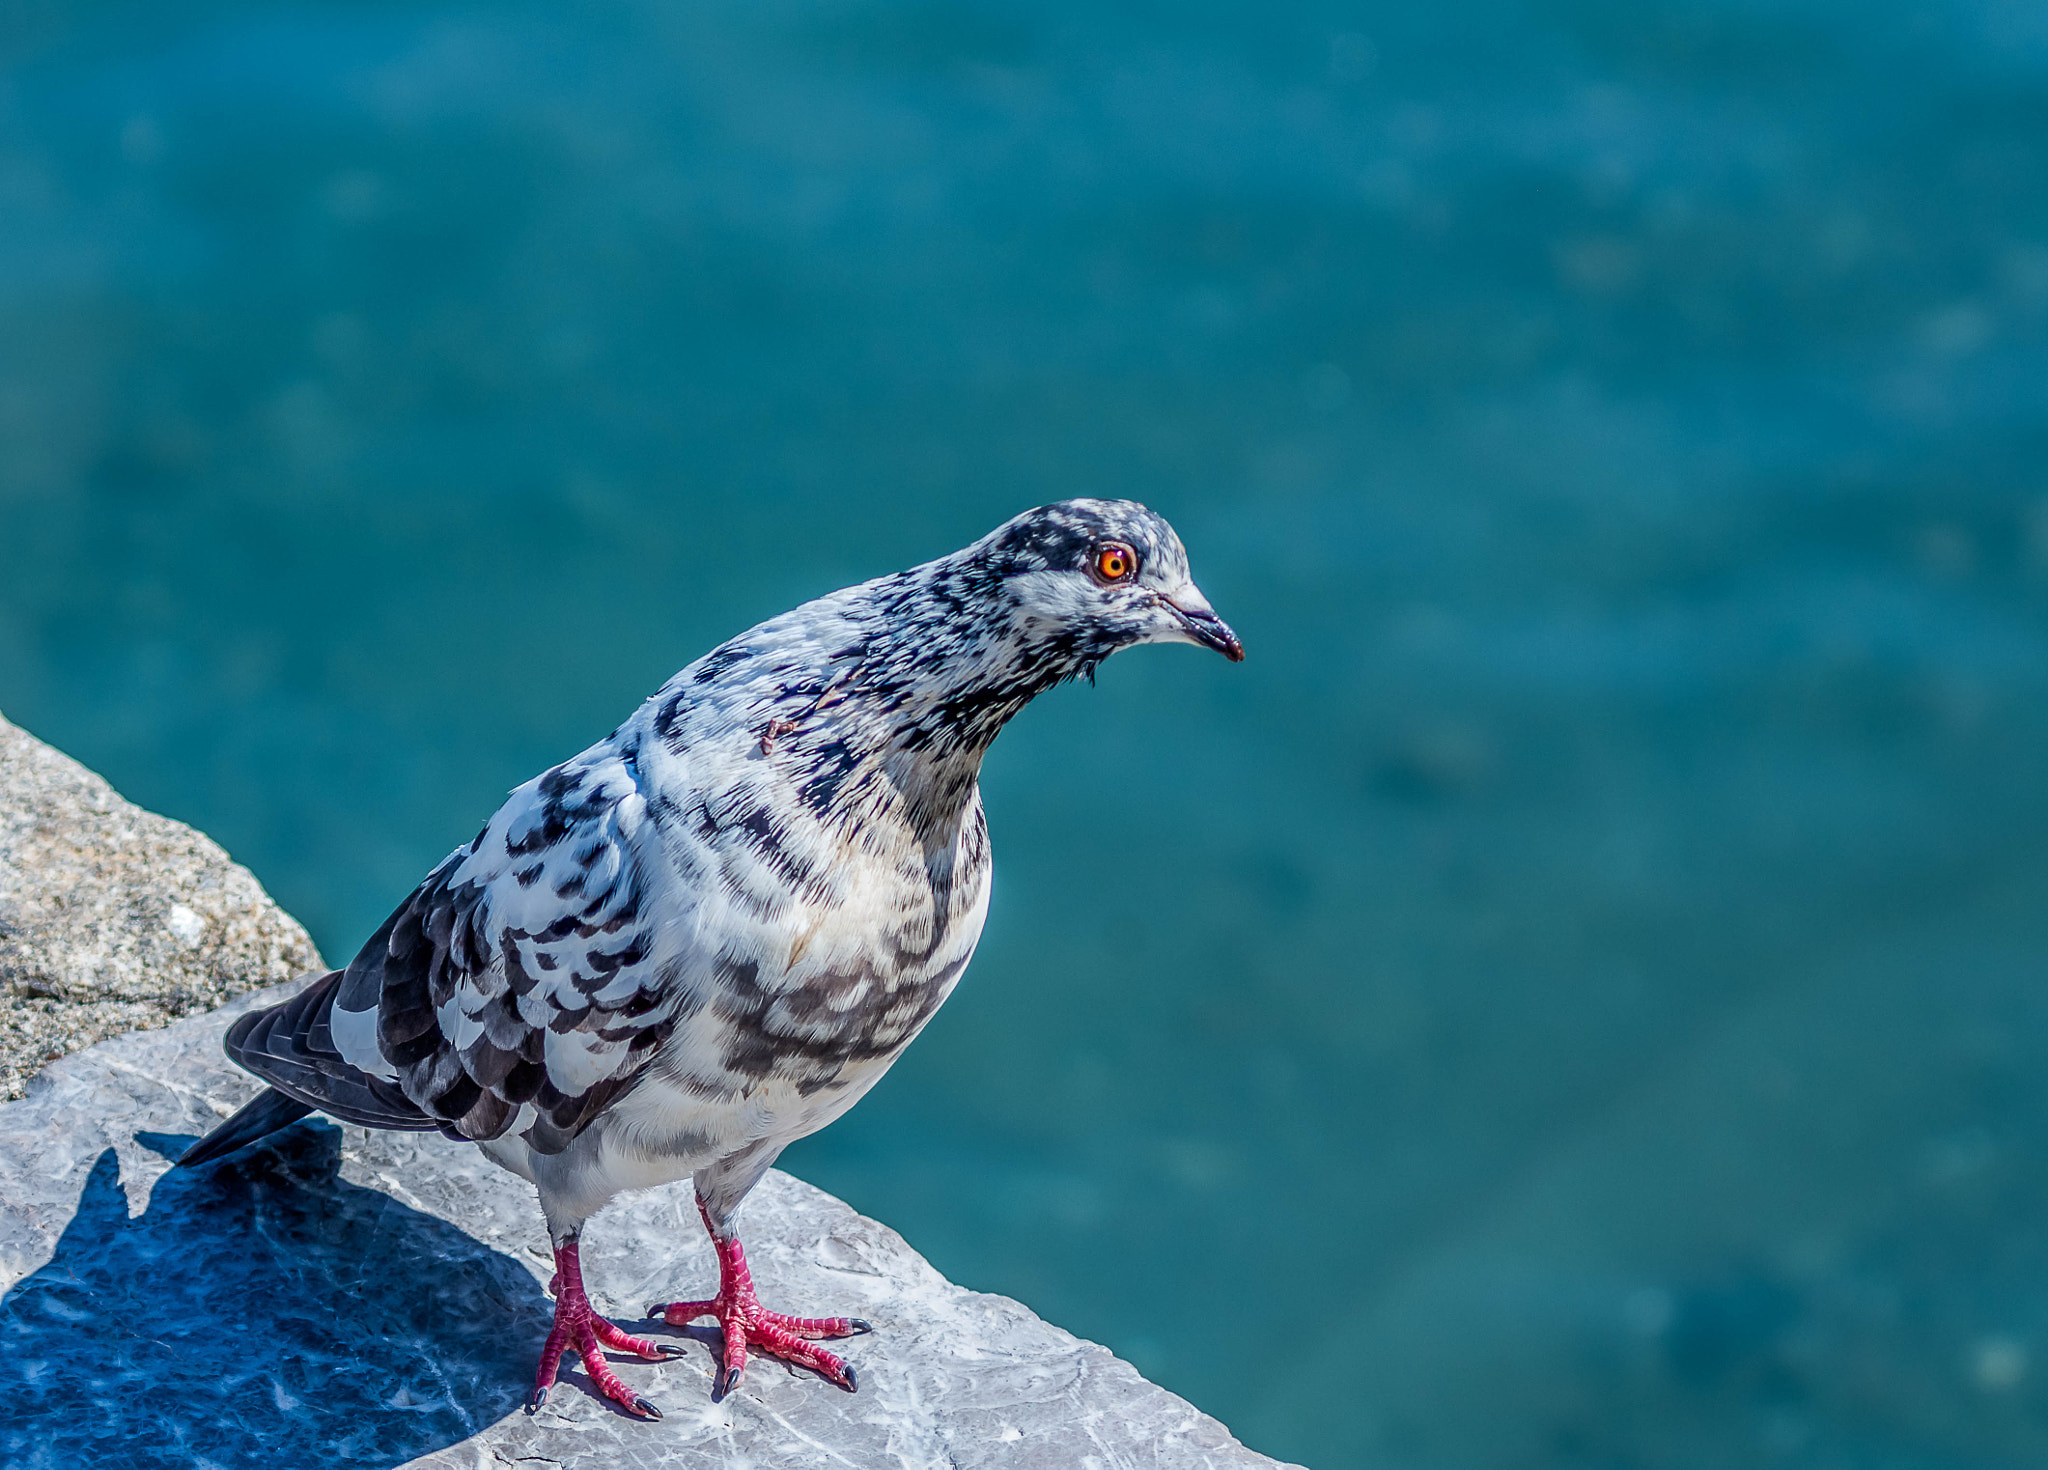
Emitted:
pixel 291 1046
pixel 269 1111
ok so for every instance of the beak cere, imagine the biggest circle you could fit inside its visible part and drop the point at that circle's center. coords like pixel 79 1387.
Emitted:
pixel 1208 630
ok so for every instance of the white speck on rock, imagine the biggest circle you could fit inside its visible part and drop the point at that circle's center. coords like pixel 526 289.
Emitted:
pixel 186 925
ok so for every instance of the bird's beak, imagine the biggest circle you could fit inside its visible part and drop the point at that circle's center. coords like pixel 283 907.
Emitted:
pixel 1199 621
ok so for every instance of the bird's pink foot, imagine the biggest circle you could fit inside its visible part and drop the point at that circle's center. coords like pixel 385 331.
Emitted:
pixel 581 1331
pixel 746 1323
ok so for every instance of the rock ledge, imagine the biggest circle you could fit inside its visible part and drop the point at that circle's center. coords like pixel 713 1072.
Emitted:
pixel 114 918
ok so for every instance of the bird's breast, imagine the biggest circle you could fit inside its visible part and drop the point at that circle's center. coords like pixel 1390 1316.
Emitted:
pixel 831 937
pixel 858 964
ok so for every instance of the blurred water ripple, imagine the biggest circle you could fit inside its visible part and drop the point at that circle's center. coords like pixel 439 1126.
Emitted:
pixel 1571 998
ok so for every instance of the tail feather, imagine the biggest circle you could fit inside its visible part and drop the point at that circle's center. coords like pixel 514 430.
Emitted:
pixel 290 1046
pixel 267 1112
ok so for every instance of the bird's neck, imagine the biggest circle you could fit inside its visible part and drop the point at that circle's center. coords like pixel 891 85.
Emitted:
pixel 895 706
pixel 935 686
pixel 943 688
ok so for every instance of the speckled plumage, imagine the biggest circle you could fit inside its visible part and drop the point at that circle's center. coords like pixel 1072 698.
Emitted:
pixel 710 933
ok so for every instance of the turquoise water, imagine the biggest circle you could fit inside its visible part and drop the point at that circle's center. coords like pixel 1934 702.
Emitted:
pixel 1572 998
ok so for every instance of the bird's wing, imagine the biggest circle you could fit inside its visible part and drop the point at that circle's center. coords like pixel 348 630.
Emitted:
pixel 519 988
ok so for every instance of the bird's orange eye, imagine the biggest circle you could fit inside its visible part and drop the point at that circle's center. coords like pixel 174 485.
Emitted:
pixel 1114 561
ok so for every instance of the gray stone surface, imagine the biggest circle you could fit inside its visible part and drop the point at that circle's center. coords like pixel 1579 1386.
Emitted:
pixel 338 1296
pixel 113 918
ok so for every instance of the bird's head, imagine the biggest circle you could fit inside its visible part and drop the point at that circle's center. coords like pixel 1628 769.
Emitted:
pixel 1083 578
pixel 948 651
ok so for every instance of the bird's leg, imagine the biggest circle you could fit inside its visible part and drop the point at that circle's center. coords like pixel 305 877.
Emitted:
pixel 581 1331
pixel 746 1323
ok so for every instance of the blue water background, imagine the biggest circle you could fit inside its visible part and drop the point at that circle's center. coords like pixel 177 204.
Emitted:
pixel 1574 997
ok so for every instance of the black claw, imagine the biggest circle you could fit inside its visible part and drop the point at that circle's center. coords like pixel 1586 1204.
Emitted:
pixel 659 1309
pixel 646 1410
pixel 860 1324
pixel 669 1350
pixel 852 1384
pixel 537 1398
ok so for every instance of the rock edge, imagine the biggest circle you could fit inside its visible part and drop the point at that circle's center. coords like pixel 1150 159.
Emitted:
pixel 115 919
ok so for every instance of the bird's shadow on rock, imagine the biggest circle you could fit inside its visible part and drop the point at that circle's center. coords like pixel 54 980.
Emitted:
pixel 262 1312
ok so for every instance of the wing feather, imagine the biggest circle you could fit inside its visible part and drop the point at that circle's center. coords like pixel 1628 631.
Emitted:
pixel 291 1047
pixel 518 984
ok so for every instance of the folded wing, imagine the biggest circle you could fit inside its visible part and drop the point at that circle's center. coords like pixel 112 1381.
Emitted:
pixel 517 989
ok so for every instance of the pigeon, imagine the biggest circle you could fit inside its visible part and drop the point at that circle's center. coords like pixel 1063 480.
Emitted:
pixel 713 931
